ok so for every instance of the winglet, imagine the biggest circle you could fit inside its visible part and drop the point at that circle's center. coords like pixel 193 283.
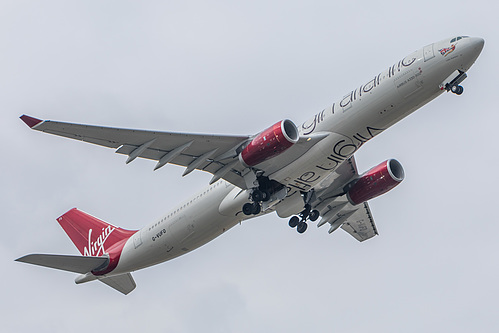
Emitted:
pixel 30 121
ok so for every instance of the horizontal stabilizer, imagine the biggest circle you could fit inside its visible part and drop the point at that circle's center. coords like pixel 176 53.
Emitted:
pixel 76 264
pixel 124 283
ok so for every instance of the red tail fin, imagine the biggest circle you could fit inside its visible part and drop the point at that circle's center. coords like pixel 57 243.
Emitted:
pixel 92 237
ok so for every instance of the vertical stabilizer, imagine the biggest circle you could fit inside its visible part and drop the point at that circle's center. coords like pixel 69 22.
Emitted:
pixel 92 237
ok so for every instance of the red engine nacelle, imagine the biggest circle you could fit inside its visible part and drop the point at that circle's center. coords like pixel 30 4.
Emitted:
pixel 270 143
pixel 375 182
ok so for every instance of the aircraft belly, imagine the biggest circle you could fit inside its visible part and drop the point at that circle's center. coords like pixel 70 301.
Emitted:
pixel 233 201
pixel 196 226
pixel 320 160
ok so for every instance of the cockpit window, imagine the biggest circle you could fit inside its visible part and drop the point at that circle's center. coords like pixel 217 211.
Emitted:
pixel 458 38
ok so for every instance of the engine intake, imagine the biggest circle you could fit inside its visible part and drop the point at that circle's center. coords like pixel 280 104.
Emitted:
pixel 375 182
pixel 270 143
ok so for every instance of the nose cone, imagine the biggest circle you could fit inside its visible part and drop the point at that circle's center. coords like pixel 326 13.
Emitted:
pixel 477 44
pixel 473 46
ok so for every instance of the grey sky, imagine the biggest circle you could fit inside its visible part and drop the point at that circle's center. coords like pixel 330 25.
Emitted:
pixel 236 68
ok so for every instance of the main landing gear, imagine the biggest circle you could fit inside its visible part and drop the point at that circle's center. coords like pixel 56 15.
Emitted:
pixel 260 194
pixel 301 222
pixel 254 208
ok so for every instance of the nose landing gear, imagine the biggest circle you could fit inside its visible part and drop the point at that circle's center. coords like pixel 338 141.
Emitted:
pixel 458 90
pixel 453 86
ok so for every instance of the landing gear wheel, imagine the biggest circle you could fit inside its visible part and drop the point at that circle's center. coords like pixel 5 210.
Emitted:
pixel 293 222
pixel 458 90
pixel 256 208
pixel 314 215
pixel 248 208
pixel 266 196
pixel 302 227
pixel 257 196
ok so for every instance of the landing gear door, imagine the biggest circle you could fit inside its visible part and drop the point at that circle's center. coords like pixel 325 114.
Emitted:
pixel 428 52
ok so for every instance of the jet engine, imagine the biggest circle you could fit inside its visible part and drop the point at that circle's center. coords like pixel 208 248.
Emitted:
pixel 269 143
pixel 375 182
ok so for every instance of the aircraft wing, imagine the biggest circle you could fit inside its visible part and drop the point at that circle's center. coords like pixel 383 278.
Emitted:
pixel 216 154
pixel 337 211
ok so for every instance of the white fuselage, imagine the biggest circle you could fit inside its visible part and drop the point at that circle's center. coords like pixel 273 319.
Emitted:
pixel 364 112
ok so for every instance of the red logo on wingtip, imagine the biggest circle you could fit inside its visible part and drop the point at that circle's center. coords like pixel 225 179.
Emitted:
pixel 30 121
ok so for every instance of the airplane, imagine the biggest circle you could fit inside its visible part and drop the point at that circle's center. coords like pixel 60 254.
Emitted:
pixel 301 172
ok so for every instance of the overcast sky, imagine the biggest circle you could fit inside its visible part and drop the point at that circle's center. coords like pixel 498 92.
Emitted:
pixel 234 67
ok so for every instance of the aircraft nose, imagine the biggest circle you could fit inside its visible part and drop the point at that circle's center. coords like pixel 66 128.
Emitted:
pixel 472 48
pixel 477 44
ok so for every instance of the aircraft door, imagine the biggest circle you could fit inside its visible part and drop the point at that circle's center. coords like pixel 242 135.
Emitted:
pixel 137 239
pixel 428 52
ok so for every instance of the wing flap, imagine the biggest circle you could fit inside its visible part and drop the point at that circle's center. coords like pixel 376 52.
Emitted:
pixel 361 224
pixel 356 220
